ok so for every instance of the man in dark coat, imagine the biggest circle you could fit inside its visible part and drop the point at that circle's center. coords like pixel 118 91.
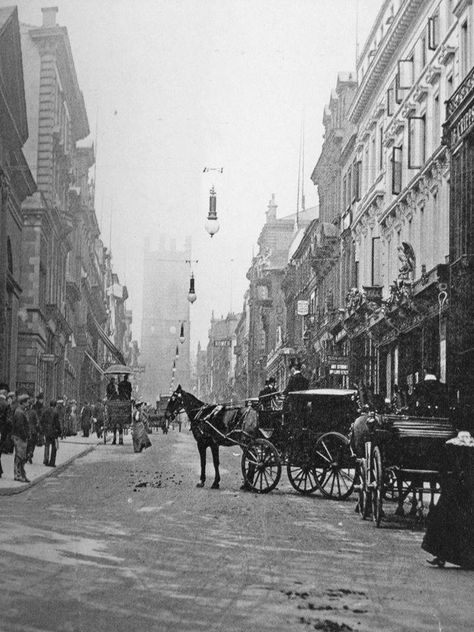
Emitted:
pixel 20 434
pixel 125 388
pixel 5 424
pixel 297 381
pixel 112 389
pixel 99 415
pixel 51 428
pixel 86 419
pixel 34 430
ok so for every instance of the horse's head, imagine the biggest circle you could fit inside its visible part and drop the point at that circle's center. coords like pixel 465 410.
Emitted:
pixel 175 403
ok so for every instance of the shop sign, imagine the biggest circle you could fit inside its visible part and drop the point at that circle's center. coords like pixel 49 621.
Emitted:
pixel 463 126
pixel 338 366
pixel 302 308
pixel 48 357
pixel 222 343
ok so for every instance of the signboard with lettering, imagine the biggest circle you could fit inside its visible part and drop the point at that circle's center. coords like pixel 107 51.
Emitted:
pixel 48 357
pixel 302 308
pixel 338 366
pixel 222 343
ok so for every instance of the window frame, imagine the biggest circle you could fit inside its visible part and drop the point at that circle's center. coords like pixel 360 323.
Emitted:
pixel 397 169
pixel 421 142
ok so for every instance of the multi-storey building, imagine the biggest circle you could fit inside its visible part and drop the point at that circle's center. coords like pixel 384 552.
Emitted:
pixel 57 119
pixel 459 138
pixel 16 183
pixel 395 198
pixel 165 312
pixel 268 348
pixel 329 251
pixel 221 359
pixel 241 380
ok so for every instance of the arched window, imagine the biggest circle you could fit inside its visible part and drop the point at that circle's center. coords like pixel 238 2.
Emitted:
pixel 9 255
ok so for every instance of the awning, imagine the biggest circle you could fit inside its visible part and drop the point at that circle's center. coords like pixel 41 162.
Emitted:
pixel 94 363
pixel 109 344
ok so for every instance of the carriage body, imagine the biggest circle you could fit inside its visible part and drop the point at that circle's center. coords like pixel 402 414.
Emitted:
pixel 118 416
pixel 405 456
pixel 310 432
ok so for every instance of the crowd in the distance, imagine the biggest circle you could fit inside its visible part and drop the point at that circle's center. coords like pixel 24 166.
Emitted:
pixel 26 423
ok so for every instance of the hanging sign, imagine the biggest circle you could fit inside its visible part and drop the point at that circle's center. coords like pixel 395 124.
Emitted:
pixel 302 308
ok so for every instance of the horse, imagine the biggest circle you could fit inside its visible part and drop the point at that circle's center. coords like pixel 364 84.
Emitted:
pixel 213 425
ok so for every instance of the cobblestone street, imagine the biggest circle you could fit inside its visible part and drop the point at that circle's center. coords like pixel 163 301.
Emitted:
pixel 122 541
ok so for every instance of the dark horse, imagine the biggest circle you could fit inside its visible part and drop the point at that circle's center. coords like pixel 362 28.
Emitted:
pixel 212 426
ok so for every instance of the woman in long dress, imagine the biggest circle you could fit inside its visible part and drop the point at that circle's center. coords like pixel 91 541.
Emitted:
pixel 450 531
pixel 139 433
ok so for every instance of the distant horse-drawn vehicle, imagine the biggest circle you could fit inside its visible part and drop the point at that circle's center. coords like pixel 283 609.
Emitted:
pixel 309 435
pixel 157 418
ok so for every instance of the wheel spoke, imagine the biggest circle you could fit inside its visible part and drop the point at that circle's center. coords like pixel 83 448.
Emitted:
pixel 323 456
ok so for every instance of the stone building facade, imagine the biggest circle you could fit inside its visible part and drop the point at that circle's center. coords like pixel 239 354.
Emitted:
pixel 397 195
pixel 16 183
pixel 57 119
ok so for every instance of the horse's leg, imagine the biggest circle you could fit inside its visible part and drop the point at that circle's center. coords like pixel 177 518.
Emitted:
pixel 202 454
pixel 215 460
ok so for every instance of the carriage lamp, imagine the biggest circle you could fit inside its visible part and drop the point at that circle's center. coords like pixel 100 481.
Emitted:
pixel 192 292
pixel 212 224
pixel 181 334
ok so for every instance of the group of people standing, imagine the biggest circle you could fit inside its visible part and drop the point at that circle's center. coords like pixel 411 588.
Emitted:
pixel 26 423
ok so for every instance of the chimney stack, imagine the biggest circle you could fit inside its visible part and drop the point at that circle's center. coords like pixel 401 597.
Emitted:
pixel 49 16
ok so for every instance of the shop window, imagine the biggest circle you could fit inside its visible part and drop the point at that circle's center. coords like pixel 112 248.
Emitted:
pixel 416 142
pixel 433 31
pixel 397 154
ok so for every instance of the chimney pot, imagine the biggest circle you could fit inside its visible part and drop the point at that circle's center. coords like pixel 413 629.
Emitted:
pixel 49 16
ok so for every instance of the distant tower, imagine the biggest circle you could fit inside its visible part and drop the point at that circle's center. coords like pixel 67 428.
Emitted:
pixel 271 210
pixel 165 307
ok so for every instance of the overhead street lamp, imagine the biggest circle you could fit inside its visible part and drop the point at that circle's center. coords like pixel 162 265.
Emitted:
pixel 212 223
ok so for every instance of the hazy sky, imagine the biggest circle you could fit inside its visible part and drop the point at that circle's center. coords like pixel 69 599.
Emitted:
pixel 172 86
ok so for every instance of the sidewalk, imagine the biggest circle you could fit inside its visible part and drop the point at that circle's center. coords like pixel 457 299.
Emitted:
pixel 70 448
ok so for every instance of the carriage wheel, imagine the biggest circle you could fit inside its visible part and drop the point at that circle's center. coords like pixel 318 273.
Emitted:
pixel 376 486
pixel 365 502
pixel 334 466
pixel 303 478
pixel 261 466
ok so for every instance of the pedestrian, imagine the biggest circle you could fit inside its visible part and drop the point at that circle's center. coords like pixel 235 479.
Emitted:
pixel 125 388
pixel 20 433
pixel 62 416
pixel 450 525
pixel 140 436
pixel 5 423
pixel 34 430
pixel 297 381
pixel 51 429
pixel 99 415
pixel 86 419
